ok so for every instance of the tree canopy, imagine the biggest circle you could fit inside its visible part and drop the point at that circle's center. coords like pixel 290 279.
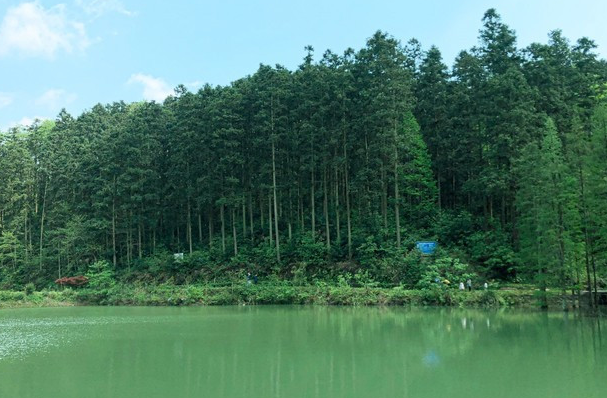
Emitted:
pixel 338 166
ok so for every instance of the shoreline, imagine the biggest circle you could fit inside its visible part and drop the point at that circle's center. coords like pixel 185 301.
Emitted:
pixel 272 294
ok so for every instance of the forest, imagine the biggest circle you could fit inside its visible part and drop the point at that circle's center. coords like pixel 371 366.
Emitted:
pixel 333 170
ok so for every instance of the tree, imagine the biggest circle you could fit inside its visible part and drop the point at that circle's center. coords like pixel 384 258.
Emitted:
pixel 431 111
pixel 546 203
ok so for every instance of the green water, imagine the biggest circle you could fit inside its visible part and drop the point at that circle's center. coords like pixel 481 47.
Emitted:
pixel 299 352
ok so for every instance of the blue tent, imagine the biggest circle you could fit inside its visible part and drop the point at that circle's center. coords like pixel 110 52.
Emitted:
pixel 427 247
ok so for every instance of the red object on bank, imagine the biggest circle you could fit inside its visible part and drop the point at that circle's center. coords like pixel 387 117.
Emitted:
pixel 72 280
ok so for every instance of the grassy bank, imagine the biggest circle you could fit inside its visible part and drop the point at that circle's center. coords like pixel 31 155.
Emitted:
pixel 45 298
pixel 172 295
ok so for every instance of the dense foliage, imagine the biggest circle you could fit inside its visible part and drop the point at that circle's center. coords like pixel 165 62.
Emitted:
pixel 330 171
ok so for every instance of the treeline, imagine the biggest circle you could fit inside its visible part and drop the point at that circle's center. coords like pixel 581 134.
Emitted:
pixel 338 166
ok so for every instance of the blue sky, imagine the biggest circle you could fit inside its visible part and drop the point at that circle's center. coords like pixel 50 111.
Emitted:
pixel 77 53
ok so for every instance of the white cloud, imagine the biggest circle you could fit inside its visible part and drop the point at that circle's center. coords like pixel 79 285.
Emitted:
pixel 55 99
pixel 5 99
pixel 194 85
pixel 28 121
pixel 99 7
pixel 31 30
pixel 154 89
pixel 25 122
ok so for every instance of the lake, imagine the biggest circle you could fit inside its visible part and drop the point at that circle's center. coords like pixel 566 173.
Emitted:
pixel 288 351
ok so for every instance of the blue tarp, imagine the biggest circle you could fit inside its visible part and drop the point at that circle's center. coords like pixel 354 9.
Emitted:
pixel 427 247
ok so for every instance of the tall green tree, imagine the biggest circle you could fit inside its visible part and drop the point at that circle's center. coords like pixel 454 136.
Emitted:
pixel 547 207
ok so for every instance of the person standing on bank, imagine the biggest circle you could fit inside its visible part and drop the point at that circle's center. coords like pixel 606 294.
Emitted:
pixel 469 285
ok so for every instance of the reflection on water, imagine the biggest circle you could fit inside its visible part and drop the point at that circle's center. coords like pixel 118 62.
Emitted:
pixel 299 352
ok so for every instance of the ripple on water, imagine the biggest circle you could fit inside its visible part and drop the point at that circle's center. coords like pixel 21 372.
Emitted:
pixel 20 338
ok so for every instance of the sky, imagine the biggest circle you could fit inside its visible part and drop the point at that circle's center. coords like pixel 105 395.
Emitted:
pixel 77 53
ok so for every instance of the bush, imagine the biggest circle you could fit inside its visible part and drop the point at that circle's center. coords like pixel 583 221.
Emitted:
pixel 437 296
pixel 18 296
pixel 30 288
pixel 454 227
pixel 413 268
pixel 400 296
pixel 444 269
pixel 492 251
pixel 490 298
pixel 299 274
pixel 100 275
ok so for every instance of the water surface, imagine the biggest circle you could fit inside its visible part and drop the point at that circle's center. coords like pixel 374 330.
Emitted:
pixel 299 352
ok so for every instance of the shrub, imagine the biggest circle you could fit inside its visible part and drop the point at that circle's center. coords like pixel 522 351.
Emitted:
pixel 299 274
pixel 492 251
pixel 30 288
pixel 18 296
pixel 441 269
pixel 491 298
pixel 100 275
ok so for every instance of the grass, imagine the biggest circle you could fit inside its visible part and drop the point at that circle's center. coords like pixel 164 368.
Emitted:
pixel 275 293
pixel 44 298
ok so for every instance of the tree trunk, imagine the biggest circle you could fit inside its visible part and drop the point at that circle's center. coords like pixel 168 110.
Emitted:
pixel 347 184
pixel 587 244
pixel 270 220
pixel 396 198
pixel 139 243
pixel 325 208
pixel 189 230
pixel 275 199
pixel 244 218
pixel 367 183
pixel 42 224
pixel 210 226
pixel 384 197
pixel 596 289
pixel 251 215
pixel 312 194
pixel 588 278
pixel 438 179
pixel 337 223
pixel 26 256
pixel 59 262
pixel 300 217
pixel 290 217
pixel 348 215
pixel 261 205
pixel 130 241
pixel 154 240
pixel 223 228
pixel 114 259
pixel 128 245
pixel 234 231
pixel 199 226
